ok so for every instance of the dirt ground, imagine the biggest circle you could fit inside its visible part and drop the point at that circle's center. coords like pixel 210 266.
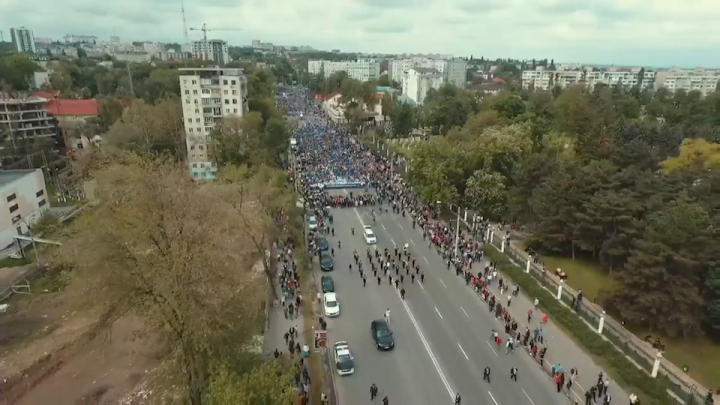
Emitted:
pixel 53 354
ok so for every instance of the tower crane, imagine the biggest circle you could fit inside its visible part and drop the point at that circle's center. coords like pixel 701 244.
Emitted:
pixel 205 30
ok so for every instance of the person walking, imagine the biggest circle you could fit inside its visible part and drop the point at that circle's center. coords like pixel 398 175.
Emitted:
pixel 373 391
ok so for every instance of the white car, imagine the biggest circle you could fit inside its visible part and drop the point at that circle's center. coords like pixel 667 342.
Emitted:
pixel 312 223
pixel 331 305
pixel 369 235
pixel 344 360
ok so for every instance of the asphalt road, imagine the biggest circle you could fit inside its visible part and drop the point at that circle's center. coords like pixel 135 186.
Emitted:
pixel 442 330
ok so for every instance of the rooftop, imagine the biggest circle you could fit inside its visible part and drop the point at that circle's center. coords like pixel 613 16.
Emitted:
pixel 10 176
pixel 424 70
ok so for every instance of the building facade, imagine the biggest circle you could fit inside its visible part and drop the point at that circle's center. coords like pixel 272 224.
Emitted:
pixel 213 49
pixel 23 40
pixel 704 81
pixel 25 118
pixel 24 199
pixel 362 69
pixel 417 82
pixel 454 71
pixel 81 39
pixel 208 96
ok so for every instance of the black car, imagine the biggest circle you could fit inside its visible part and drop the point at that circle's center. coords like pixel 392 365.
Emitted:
pixel 382 335
pixel 327 283
pixel 321 243
pixel 326 261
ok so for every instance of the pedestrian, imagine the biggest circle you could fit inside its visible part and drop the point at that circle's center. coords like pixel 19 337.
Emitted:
pixel 486 374
pixel 373 391
pixel 513 373
pixel 402 293
pixel 364 281
pixel 386 401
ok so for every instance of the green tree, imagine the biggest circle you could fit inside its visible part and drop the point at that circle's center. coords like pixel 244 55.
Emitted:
pixel 269 383
pixel 487 194
pixel 16 71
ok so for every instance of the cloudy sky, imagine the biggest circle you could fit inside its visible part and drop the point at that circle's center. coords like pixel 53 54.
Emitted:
pixel 622 32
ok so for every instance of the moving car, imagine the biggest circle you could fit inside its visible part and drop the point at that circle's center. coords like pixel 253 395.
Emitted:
pixel 369 235
pixel 326 261
pixel 327 283
pixel 321 243
pixel 382 335
pixel 343 358
pixel 312 223
pixel 331 305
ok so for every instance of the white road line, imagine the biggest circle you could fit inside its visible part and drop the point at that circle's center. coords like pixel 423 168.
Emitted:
pixel 443 283
pixel 463 309
pixel 383 225
pixel 359 217
pixel 491 348
pixel 412 241
pixel 465 354
pixel 395 244
pixel 401 227
pixel 427 348
pixel 426 260
pixel 492 397
pixel 438 312
pixel 528 397
pixel 421 286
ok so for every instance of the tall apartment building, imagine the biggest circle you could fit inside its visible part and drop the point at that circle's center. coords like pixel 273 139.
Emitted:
pixel 454 71
pixel 541 79
pixel 704 81
pixel 208 96
pixel 23 40
pixel 417 82
pixel 362 69
pixel 213 49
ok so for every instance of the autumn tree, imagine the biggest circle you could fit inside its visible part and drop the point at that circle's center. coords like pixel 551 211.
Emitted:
pixel 269 383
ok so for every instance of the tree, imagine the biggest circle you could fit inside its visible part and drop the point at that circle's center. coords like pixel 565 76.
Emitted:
pixel 269 383
pixel 16 71
pixel 695 154
pixel 486 193
pixel 173 252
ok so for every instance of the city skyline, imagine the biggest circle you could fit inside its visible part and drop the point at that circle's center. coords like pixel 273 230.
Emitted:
pixel 671 33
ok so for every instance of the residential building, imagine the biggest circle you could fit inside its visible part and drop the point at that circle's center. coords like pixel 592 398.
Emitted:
pixel 133 57
pixel 541 79
pixel 213 49
pixel 454 71
pixel 256 43
pixel 24 118
pixel 362 69
pixel 24 199
pixel 23 40
pixel 153 48
pixel 418 81
pixel 335 109
pixel 40 79
pixel 704 81
pixel 62 50
pixel 81 39
pixel 208 96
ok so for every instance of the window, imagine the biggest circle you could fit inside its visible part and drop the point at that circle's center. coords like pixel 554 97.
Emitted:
pixel 227 101
pixel 195 174
pixel 14 208
pixel 195 101
pixel 187 92
pixel 192 147
pixel 225 82
pixel 189 120
pixel 234 110
pixel 192 156
pixel 195 92
pixel 227 110
pixel 234 93
pixel 234 101
pixel 202 164
pixel 193 82
pixel 233 82
pixel 199 129
pixel 11 197
pixel 208 129
pixel 200 147
pixel 225 92
pixel 194 165
pixel 185 81
pixel 197 111
pixel 187 101
pixel 197 120
pixel 203 174
pixel 42 203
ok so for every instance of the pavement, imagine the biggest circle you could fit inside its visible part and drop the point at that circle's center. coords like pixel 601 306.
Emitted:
pixel 442 331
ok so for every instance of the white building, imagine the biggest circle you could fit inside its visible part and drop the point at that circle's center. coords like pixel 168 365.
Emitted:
pixel 24 199
pixel 133 57
pixel 23 40
pixel 208 96
pixel 213 49
pixel 418 82
pixel 704 81
pixel 80 39
pixel 454 71
pixel 362 69
pixel 541 79
pixel 153 48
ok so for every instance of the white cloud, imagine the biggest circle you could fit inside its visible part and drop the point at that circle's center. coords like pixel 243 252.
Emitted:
pixel 658 32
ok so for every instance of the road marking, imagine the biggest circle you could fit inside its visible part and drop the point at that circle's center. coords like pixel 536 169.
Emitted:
pixel 438 312
pixel 393 242
pixel 491 348
pixel 412 241
pixel 359 217
pixel 401 227
pixel 528 397
pixel 426 260
pixel 465 354
pixel 383 225
pixel 443 283
pixel 463 309
pixel 421 286
pixel 492 397
pixel 427 348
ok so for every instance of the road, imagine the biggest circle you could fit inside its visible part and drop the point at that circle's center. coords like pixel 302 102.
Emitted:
pixel 442 330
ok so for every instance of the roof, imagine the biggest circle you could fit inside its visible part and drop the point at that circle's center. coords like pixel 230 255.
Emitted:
pixel 426 70
pixel 10 176
pixel 63 108
pixel 330 295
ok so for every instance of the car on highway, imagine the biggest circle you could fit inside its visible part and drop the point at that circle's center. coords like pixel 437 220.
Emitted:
pixel 331 305
pixel 327 283
pixel 326 261
pixel 312 223
pixel 369 235
pixel 343 358
pixel 382 335
pixel 321 243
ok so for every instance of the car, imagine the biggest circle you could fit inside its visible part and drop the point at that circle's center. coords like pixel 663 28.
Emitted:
pixel 331 305
pixel 327 283
pixel 344 360
pixel 312 223
pixel 369 235
pixel 382 335
pixel 321 243
pixel 326 261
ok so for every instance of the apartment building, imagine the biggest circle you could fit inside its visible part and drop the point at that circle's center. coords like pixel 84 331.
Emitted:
pixel 24 118
pixel 542 79
pixel 362 69
pixel 704 81
pixel 81 39
pixel 25 198
pixel 417 82
pixel 208 96
pixel 215 50
pixel 23 40
pixel 454 71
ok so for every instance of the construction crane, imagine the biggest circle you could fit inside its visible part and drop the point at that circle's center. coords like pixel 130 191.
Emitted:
pixel 205 30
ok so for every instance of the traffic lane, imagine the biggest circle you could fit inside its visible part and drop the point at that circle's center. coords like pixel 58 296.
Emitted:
pixel 468 333
pixel 519 307
pixel 404 374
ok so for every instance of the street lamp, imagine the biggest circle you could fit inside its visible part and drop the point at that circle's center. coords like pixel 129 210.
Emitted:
pixel 457 229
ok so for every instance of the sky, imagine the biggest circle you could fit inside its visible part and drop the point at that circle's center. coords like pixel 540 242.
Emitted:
pixel 651 33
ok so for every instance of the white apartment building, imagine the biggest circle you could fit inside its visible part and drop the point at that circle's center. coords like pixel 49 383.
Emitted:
pixel 541 79
pixel 362 69
pixel 454 71
pixel 25 198
pixel 418 81
pixel 23 40
pixel 133 57
pixel 208 96
pixel 213 49
pixel 80 39
pixel 704 81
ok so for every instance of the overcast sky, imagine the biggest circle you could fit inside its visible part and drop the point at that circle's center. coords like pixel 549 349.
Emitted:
pixel 654 33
